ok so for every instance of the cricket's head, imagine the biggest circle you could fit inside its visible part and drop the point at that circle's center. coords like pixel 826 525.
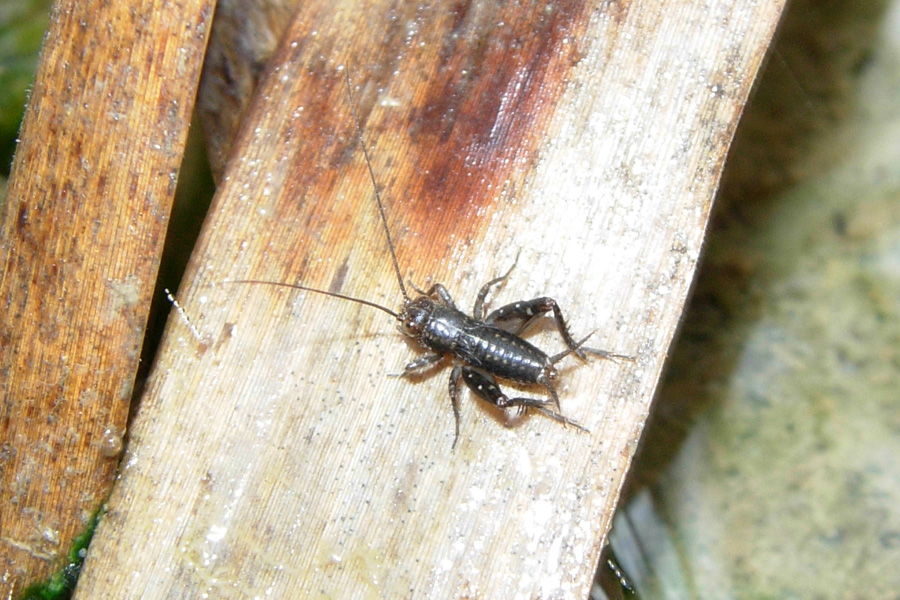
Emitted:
pixel 414 315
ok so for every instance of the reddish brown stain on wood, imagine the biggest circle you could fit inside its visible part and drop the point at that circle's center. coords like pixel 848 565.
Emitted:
pixel 466 122
pixel 485 108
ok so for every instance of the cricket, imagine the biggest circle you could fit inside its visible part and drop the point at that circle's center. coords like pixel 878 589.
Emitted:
pixel 483 347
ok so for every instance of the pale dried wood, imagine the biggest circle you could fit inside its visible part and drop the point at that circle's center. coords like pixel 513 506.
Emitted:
pixel 274 455
pixel 81 232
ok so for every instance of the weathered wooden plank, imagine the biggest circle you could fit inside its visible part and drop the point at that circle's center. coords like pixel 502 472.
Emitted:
pixel 273 455
pixel 81 231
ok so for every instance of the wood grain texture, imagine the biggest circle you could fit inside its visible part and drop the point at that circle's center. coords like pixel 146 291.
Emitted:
pixel 81 231
pixel 273 455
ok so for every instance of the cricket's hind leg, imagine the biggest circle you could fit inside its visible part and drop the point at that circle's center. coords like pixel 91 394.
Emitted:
pixel 485 387
pixel 519 317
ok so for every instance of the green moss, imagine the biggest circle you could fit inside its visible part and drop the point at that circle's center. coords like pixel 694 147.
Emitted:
pixel 61 584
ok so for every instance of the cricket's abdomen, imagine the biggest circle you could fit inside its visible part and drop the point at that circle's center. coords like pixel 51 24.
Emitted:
pixel 484 346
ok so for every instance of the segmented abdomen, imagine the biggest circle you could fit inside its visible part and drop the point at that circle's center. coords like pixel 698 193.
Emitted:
pixel 481 345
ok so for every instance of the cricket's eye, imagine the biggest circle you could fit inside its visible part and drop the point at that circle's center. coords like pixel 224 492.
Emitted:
pixel 413 322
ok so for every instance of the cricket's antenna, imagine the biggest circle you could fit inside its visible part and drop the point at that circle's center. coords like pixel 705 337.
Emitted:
pixel 317 291
pixel 362 145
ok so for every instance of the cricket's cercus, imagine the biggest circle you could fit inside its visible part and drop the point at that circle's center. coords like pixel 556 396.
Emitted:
pixel 483 347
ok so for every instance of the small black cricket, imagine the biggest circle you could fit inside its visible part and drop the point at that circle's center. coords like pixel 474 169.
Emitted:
pixel 483 347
